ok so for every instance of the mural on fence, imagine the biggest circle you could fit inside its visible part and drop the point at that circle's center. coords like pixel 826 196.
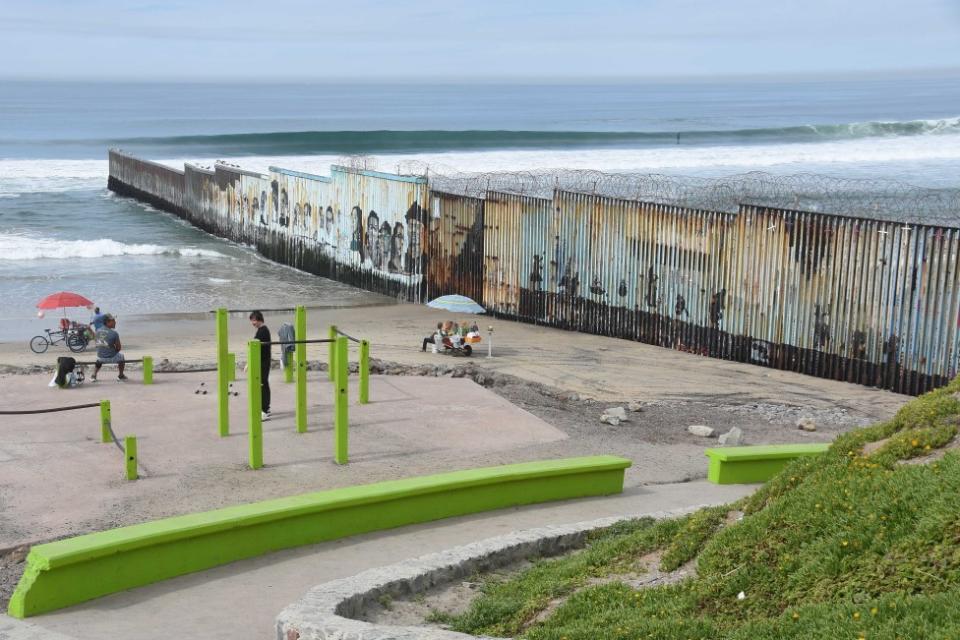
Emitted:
pixel 455 246
pixel 868 301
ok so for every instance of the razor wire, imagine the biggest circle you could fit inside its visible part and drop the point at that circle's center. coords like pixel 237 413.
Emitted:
pixel 878 199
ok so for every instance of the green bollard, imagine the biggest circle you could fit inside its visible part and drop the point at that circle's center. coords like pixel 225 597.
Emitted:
pixel 105 421
pixel 254 391
pixel 130 448
pixel 288 372
pixel 331 360
pixel 223 375
pixel 341 401
pixel 231 368
pixel 147 370
pixel 300 356
pixel 364 371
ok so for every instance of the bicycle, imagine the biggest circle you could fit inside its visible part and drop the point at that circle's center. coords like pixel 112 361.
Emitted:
pixel 75 336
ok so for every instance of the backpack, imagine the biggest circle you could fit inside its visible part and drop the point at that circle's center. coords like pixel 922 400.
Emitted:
pixel 65 366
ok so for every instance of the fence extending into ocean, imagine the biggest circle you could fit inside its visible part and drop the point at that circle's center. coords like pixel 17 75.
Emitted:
pixel 873 301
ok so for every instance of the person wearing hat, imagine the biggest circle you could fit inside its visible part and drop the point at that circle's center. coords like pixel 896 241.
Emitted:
pixel 108 347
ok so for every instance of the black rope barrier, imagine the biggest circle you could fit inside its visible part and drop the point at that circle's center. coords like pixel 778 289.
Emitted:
pixel 55 409
pixel 299 341
pixel 91 363
pixel 203 370
pixel 348 336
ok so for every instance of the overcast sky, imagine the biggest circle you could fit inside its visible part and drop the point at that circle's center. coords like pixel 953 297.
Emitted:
pixel 303 39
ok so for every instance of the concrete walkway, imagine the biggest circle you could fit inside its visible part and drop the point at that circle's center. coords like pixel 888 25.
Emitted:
pixel 241 601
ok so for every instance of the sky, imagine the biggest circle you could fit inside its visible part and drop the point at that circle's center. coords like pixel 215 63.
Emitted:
pixel 460 40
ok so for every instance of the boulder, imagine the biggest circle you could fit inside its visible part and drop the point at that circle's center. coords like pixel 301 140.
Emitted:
pixel 806 423
pixel 701 430
pixel 634 406
pixel 611 420
pixel 617 412
pixel 731 438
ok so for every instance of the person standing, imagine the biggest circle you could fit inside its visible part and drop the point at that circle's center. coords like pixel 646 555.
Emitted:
pixel 108 347
pixel 263 335
pixel 96 322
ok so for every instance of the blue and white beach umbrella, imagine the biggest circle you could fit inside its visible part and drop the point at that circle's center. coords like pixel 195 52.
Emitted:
pixel 457 304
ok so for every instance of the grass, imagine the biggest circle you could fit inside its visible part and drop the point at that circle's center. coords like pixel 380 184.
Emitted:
pixel 841 545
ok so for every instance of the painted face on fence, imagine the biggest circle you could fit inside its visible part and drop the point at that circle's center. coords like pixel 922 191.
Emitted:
pixel 373 237
pixel 416 230
pixel 331 232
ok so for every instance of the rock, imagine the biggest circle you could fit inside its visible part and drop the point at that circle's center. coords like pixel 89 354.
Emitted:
pixel 701 430
pixel 731 438
pixel 617 412
pixel 611 420
pixel 806 423
pixel 634 406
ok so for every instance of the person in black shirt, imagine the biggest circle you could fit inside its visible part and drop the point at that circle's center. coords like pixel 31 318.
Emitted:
pixel 263 335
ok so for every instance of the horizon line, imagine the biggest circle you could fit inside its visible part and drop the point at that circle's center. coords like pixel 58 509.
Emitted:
pixel 489 79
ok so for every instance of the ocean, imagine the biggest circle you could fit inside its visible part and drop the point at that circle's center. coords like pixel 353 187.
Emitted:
pixel 61 230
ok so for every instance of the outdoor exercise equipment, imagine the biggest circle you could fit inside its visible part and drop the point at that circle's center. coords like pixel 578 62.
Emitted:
pixel 338 368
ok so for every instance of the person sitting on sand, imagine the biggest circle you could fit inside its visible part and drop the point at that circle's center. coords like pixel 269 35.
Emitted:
pixel 432 338
pixel 108 347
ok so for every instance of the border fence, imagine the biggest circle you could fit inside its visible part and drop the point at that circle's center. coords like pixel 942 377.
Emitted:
pixel 841 279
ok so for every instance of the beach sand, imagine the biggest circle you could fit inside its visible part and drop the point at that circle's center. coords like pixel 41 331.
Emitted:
pixel 591 366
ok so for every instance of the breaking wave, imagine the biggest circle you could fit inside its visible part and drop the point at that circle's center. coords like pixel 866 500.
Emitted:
pixel 22 247
pixel 386 141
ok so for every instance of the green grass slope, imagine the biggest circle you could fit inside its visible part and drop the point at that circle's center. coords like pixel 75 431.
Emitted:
pixel 855 543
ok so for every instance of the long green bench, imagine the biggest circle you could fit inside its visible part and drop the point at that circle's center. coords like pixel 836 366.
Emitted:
pixel 66 572
pixel 745 465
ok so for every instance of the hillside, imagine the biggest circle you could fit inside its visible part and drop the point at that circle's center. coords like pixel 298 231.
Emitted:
pixel 861 542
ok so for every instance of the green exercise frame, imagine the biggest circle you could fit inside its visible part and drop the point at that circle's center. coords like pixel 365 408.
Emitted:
pixel 63 573
pixel 746 465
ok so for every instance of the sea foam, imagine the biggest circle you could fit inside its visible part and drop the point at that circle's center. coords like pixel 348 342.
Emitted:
pixel 22 247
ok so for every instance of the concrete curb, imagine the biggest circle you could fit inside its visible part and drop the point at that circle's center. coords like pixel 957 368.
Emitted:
pixel 66 572
pixel 328 610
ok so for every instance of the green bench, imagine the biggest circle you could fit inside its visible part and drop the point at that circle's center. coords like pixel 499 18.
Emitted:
pixel 745 465
pixel 74 570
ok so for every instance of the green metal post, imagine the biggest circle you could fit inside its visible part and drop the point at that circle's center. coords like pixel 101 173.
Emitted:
pixel 331 360
pixel 364 371
pixel 130 448
pixel 147 370
pixel 105 421
pixel 254 391
pixel 288 372
pixel 341 401
pixel 223 375
pixel 231 367
pixel 300 353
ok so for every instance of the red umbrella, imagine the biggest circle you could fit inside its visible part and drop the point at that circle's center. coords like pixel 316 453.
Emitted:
pixel 63 299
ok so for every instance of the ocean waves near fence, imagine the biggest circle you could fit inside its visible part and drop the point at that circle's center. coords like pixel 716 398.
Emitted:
pixel 770 271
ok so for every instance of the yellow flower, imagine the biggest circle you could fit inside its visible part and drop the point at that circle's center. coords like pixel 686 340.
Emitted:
pixel 914 443
pixel 873 611
pixel 843 543
pixel 796 616
pixel 856 615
